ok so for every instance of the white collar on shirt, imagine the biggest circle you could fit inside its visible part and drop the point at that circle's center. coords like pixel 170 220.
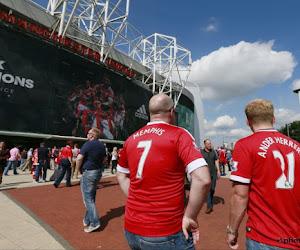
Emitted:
pixel 157 122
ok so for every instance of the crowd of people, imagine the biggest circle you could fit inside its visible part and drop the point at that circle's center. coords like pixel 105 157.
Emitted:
pixel 153 164
pixel 39 160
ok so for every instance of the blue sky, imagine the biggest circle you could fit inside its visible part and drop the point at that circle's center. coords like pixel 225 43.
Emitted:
pixel 241 50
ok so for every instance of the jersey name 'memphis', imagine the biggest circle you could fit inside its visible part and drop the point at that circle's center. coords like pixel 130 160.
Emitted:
pixel 157 131
pixel 264 146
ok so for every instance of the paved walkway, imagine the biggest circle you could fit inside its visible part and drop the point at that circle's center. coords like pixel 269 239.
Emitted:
pixel 20 228
pixel 39 216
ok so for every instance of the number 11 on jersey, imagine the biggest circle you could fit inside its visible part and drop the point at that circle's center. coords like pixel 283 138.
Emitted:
pixel 146 145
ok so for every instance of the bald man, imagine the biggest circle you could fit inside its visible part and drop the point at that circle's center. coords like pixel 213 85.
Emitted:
pixel 151 172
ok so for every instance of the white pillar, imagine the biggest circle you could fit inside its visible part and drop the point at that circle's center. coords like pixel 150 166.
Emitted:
pixel 198 112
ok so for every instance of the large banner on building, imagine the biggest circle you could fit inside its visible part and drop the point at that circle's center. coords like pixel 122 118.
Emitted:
pixel 46 89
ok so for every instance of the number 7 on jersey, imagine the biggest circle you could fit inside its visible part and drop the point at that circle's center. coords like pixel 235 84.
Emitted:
pixel 146 145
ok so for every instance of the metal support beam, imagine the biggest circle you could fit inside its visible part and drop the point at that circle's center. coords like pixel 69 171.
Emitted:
pixel 105 22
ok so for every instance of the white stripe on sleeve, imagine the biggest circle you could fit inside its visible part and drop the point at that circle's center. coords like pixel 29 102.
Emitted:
pixel 198 163
pixel 240 179
pixel 123 170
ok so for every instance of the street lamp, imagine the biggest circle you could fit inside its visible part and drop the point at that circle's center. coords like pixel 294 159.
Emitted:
pixel 288 129
pixel 296 88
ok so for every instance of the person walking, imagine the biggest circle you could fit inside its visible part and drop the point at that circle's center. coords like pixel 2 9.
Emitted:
pixel 106 165
pixel 23 158
pixel 43 157
pixel 114 159
pixel 65 163
pixel 28 160
pixel 151 173
pixel 228 156
pixel 75 152
pixel 13 160
pixel 266 176
pixel 211 158
pixel 4 155
pixel 54 153
pixel 90 160
pixel 222 161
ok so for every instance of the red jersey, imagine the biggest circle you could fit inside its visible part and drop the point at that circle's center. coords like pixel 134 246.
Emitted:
pixel 156 157
pixel 103 93
pixel 270 162
pixel 66 152
pixel 57 159
pixel 83 93
pixel 222 157
pixel 35 157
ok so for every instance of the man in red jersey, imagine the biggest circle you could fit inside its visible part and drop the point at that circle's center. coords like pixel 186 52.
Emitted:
pixel 66 163
pixel 151 172
pixel 266 182
pixel 222 158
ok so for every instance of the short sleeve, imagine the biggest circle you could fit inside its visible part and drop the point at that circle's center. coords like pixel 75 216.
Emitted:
pixel 71 153
pixel 122 162
pixel 216 156
pixel 189 152
pixel 242 164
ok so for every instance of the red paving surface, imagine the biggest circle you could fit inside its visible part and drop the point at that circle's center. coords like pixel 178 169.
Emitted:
pixel 62 209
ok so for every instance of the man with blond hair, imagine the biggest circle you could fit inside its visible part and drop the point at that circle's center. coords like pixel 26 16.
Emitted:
pixel 266 183
pixel 151 172
pixel 90 160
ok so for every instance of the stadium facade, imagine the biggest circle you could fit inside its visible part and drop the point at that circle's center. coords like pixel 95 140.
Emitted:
pixel 57 87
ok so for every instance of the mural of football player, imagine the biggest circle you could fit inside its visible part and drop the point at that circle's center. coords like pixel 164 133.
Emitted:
pixel 98 106
pixel 103 103
pixel 82 99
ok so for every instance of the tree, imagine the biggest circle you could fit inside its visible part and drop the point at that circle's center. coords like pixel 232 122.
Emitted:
pixel 292 130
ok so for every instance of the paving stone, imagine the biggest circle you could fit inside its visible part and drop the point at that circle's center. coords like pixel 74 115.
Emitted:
pixel 6 244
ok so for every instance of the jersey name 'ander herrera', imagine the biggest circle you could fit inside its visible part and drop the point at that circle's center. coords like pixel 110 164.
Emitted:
pixel 264 146
pixel 154 130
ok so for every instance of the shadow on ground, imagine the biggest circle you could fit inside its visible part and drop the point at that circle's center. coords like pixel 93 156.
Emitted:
pixel 113 213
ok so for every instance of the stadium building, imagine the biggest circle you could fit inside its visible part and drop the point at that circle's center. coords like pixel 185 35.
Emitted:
pixel 79 64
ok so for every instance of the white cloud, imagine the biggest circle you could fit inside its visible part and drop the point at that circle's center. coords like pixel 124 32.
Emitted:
pixel 224 122
pixel 219 136
pixel 219 107
pixel 208 124
pixel 284 116
pixel 241 69
pixel 239 133
pixel 296 84
pixel 211 27
pixel 223 130
pixel 211 133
